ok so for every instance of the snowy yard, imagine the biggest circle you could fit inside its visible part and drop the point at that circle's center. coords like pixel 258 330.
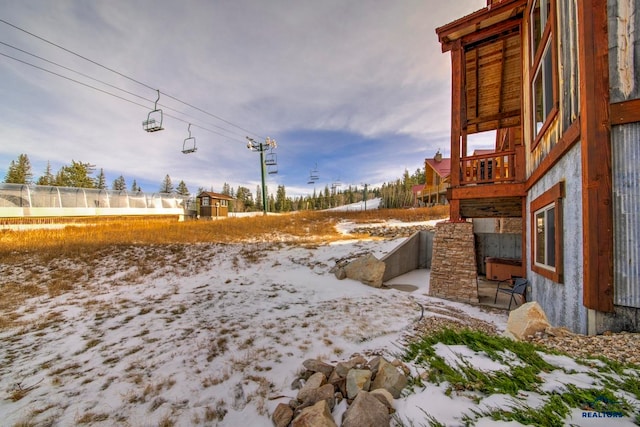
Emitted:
pixel 215 334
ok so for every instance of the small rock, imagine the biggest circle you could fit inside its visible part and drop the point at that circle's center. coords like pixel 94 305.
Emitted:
pixel 357 380
pixel 282 415
pixel 317 415
pixel 389 378
pixel 385 397
pixel 326 392
pixel 314 365
pixel 316 380
pixel 366 411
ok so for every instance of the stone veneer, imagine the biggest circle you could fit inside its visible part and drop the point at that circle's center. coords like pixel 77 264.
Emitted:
pixel 453 268
pixel 509 225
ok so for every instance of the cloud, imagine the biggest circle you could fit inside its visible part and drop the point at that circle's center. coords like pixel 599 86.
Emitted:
pixel 358 86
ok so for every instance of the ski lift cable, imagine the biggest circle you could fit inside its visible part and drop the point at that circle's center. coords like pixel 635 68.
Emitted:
pixel 112 94
pixel 120 74
pixel 114 86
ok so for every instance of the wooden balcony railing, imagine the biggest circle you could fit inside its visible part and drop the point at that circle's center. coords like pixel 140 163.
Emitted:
pixel 488 168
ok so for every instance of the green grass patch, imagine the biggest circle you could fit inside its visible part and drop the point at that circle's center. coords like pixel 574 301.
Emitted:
pixel 601 400
pixel 523 376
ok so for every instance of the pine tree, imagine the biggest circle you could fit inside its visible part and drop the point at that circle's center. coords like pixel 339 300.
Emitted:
pixel 119 184
pixel 281 199
pixel 258 198
pixel 182 189
pixel 77 175
pixel 47 178
pixel 226 189
pixel 19 172
pixel 167 185
pixel 101 181
pixel 134 187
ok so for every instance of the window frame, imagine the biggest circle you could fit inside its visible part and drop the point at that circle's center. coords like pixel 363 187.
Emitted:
pixel 547 41
pixel 205 201
pixel 551 198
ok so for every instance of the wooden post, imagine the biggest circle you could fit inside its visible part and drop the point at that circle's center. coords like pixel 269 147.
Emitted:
pixel 595 142
pixel 456 125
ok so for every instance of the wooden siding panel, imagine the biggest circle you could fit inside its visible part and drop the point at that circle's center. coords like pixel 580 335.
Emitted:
pixel 596 156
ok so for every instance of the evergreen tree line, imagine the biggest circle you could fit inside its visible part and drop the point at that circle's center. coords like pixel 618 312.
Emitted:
pixel 396 194
pixel 79 175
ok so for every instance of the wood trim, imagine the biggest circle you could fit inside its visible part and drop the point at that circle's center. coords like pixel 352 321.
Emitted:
pixel 550 196
pixel 503 29
pixel 568 139
pixel 597 212
pixel 543 130
pixel 554 196
pixel 625 112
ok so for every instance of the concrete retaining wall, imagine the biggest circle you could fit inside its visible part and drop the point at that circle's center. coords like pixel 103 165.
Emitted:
pixel 413 253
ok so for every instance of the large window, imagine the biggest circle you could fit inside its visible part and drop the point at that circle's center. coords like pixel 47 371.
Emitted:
pixel 546 233
pixel 543 75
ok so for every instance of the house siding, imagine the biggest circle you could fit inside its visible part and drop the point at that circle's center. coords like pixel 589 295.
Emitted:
pixel 562 302
pixel 626 211
pixel 624 49
pixel 624 72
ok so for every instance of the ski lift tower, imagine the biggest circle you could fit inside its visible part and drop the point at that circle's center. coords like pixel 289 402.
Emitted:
pixel 261 147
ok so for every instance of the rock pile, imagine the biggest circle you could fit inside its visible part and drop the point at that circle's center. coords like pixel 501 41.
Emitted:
pixel 369 388
pixel 392 232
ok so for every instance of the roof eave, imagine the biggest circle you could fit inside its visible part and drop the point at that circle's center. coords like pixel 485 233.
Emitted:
pixel 483 18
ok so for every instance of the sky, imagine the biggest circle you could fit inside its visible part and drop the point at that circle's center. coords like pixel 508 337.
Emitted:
pixel 357 90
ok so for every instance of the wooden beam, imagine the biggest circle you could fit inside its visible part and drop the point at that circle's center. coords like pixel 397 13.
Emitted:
pixel 494 117
pixel 625 112
pixel 595 142
pixel 457 58
pixel 488 191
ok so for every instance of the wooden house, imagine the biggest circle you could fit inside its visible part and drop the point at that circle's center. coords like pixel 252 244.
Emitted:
pixel 558 81
pixel 212 205
pixel 436 175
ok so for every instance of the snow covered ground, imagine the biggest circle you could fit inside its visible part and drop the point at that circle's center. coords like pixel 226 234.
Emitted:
pixel 214 336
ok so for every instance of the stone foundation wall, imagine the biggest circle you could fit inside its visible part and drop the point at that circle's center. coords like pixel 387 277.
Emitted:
pixel 453 267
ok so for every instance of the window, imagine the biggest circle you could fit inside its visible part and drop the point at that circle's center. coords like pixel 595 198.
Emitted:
pixel 545 237
pixel 205 201
pixel 546 233
pixel 543 80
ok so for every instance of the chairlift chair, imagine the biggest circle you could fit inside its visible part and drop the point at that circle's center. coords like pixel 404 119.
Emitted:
pixel 271 159
pixel 272 169
pixel 154 118
pixel 189 144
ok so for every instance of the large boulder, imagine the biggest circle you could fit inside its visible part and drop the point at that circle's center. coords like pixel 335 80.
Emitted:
pixel 527 320
pixel 367 269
